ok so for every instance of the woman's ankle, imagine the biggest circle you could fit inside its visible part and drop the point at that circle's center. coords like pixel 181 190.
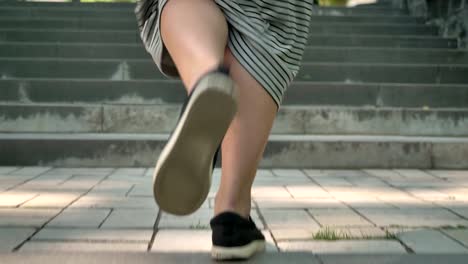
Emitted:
pixel 240 207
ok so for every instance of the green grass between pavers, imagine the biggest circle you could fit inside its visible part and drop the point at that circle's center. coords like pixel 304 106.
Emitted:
pixel 328 233
pixel 199 225
pixel 333 2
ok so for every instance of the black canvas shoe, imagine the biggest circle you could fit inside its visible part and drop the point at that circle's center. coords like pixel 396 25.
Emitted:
pixel 234 237
pixel 182 177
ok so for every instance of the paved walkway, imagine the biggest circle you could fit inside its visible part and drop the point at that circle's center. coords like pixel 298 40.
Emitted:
pixel 317 211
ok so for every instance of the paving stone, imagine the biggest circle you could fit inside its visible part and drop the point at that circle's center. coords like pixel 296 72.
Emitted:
pixel 344 247
pixel 413 217
pixel 82 247
pixel 52 200
pixel 290 174
pixel 261 173
pixel 30 171
pixel 461 235
pixel 137 172
pixel 112 188
pixel 452 204
pixel 182 241
pixel 26 217
pixel 428 194
pixel 81 234
pixel 81 182
pixel 14 199
pixel 80 218
pixel 12 237
pixel 143 190
pixel 291 203
pixel 463 211
pixel 288 219
pixel 279 182
pixel 81 171
pixel 456 193
pixel 407 202
pixel 430 241
pixel 411 174
pixel 307 191
pixel 283 234
pixel 384 174
pixel 334 173
pixel 192 241
pixel 451 175
pixel 6 169
pixel 333 181
pixel 269 192
pixel 198 220
pixel 338 217
pixel 367 182
pixel 131 218
pixel 105 201
pixel 9 184
pixel 365 202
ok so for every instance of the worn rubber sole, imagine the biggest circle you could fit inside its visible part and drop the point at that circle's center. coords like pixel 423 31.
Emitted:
pixel 238 253
pixel 182 176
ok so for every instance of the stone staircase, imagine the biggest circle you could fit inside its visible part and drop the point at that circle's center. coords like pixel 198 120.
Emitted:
pixel 378 89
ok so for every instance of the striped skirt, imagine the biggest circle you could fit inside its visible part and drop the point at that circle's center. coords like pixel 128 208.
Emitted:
pixel 267 37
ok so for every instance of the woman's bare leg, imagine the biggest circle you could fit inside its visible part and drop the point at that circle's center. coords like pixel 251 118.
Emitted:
pixel 195 34
pixel 244 141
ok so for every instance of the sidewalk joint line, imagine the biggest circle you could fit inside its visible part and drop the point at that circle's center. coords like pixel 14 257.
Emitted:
pixel 155 230
pixel 105 218
pixel 262 219
pixel 130 190
pixel 28 180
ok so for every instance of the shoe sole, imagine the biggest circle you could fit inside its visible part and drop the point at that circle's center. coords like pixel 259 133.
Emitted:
pixel 182 176
pixel 238 253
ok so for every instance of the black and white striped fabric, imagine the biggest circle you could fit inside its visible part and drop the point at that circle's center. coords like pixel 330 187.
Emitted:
pixel 267 37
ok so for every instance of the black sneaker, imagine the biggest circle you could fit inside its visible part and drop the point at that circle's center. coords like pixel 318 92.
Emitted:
pixel 182 177
pixel 234 237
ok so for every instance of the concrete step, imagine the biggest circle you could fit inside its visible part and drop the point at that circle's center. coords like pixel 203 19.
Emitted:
pixel 114 69
pixel 345 11
pixel 301 119
pixel 172 92
pixel 132 37
pixel 282 151
pixel 312 54
pixel 409 41
pixel 130 19
pixel 387 55
pixel 317 27
pixel 91 10
pixel 64 12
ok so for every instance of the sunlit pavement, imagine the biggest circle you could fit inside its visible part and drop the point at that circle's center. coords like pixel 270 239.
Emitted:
pixel 401 213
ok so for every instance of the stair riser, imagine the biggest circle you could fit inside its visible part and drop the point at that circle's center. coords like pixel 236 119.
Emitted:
pixel 328 72
pixel 158 92
pixel 315 54
pixel 279 153
pixel 127 12
pixel 130 37
pixel 129 20
pixel 324 28
pixel 290 120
